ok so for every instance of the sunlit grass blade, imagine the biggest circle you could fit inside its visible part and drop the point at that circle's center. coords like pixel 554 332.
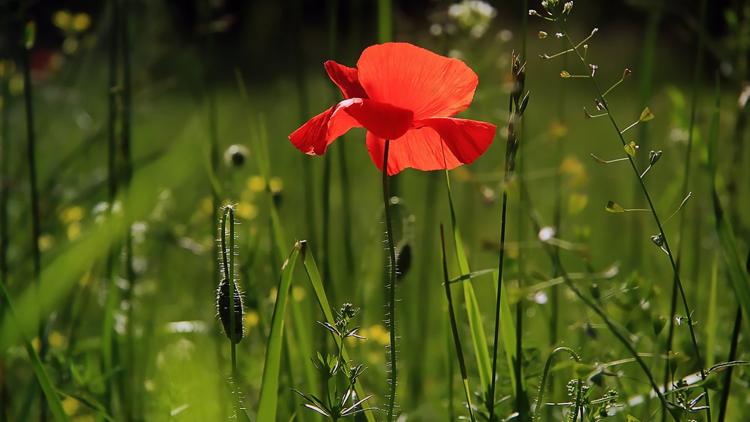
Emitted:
pixel 269 386
pixel 508 336
pixel 478 336
pixel 62 272
pixel 711 318
pixel 454 328
pixel 50 394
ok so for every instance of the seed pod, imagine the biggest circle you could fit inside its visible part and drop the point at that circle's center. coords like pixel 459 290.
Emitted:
pixel 403 261
pixel 222 308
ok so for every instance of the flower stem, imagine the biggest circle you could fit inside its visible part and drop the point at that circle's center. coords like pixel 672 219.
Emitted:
pixel 390 288
pixel 657 220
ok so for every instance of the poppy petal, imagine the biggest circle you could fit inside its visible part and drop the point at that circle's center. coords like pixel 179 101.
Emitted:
pixel 467 139
pixel 436 144
pixel 384 120
pixel 416 79
pixel 346 79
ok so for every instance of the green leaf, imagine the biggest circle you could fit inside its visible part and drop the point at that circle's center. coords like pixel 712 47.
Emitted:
pixel 614 207
pixel 646 115
pixel 269 386
pixel 631 148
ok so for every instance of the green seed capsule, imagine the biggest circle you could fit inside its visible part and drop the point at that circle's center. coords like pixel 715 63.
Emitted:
pixel 222 307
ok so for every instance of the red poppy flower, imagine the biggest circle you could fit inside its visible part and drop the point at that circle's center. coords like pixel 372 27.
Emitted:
pixel 407 94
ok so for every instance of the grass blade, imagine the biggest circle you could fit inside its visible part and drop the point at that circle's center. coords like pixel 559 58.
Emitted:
pixel 478 337
pixel 454 328
pixel 270 383
pixel 739 279
pixel 545 374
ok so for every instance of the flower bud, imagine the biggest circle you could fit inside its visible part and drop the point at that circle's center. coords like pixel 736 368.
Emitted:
pixel 223 306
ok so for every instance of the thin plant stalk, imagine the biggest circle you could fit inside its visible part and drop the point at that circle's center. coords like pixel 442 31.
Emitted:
pixel 698 65
pixel 652 209
pixel 34 194
pixel 390 289
pixel 735 177
pixel 303 103
pixel 557 216
pixel 737 275
pixel 209 97
pixel 454 329
pixel 127 176
pixel 516 106
pixel 503 221
pixel 4 235
pixel 521 404
pixel 110 301
pixel 385 20
pixel 346 199
pixel 557 223
pixel 451 406
pixel 545 376
pixel 727 382
pixel 645 88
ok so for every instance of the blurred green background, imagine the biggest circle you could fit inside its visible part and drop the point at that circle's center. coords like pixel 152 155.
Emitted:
pixel 249 73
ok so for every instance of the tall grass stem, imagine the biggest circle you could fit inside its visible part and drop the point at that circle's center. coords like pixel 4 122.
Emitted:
pixel 697 67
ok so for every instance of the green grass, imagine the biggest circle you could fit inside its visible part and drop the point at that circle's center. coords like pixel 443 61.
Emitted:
pixel 154 349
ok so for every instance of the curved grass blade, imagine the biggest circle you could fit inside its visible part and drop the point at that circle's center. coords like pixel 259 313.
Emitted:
pixel 543 383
